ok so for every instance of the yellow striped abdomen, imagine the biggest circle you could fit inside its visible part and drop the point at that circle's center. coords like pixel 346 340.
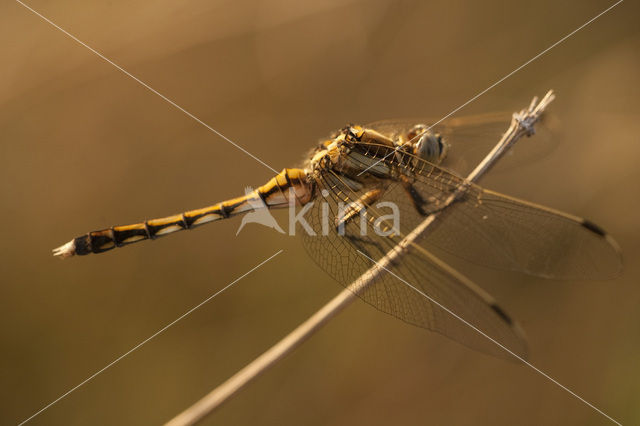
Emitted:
pixel 277 193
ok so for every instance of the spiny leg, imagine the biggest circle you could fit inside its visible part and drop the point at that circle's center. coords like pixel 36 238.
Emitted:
pixel 356 209
pixel 418 201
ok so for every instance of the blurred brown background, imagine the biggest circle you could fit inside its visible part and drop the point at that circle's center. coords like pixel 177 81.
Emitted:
pixel 84 147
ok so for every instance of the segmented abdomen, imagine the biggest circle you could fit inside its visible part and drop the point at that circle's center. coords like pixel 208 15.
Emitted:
pixel 274 194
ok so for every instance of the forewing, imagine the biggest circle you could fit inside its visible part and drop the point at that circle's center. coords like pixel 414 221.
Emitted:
pixel 503 232
pixel 499 231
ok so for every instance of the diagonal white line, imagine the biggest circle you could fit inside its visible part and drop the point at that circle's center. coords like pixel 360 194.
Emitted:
pixel 496 342
pixel 147 339
pixel 527 63
pixel 145 85
pixel 502 79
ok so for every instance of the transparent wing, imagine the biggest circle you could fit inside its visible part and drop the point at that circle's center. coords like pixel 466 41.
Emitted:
pixel 473 126
pixel 503 232
pixel 438 287
pixel 499 231
pixel 471 137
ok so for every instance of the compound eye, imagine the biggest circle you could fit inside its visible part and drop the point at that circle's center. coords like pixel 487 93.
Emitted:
pixel 426 146
pixel 431 147
pixel 441 143
pixel 443 147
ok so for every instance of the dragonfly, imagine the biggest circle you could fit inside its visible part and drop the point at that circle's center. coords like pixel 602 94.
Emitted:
pixel 354 178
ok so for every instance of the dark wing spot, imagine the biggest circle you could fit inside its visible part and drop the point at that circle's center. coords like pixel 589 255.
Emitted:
pixel 593 227
pixel 498 310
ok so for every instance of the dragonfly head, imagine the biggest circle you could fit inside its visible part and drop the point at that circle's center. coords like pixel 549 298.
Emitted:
pixel 429 146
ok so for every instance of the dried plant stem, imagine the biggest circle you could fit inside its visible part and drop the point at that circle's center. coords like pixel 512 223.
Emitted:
pixel 521 124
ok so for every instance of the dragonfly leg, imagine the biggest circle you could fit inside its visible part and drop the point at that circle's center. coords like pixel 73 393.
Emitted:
pixel 416 198
pixel 423 206
pixel 356 208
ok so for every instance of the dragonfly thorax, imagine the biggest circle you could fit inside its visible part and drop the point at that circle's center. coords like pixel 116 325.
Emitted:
pixel 361 154
pixel 328 154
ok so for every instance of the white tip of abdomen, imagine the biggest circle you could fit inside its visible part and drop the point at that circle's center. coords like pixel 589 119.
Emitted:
pixel 66 250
